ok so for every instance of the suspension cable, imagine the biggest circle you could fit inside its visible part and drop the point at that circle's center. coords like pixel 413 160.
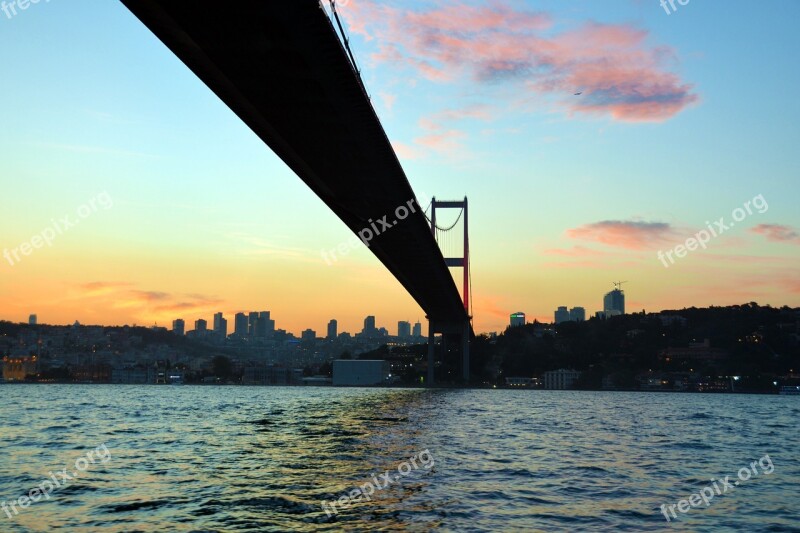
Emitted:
pixel 451 226
pixel 346 43
pixel 471 309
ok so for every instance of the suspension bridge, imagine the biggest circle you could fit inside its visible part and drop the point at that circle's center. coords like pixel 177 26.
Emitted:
pixel 283 69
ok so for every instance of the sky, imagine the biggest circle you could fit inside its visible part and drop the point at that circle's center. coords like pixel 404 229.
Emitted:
pixel 132 195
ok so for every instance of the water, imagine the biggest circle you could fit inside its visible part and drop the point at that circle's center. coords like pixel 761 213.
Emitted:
pixel 263 459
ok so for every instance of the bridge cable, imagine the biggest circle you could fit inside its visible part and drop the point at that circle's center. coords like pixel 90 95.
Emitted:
pixel 441 228
pixel 471 296
pixel 346 43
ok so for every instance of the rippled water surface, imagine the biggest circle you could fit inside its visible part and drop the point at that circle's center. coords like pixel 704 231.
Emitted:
pixel 263 459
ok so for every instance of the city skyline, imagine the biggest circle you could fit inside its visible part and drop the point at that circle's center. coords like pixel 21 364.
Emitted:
pixel 612 304
pixel 178 326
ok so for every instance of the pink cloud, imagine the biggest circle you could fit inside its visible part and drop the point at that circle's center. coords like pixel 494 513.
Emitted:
pixel 594 265
pixel 440 135
pixel 618 73
pixel 388 101
pixel 149 296
pixel 575 251
pixel 491 306
pixel 576 264
pixel 125 296
pixel 632 235
pixel 792 284
pixel 442 140
pixel 100 288
pixel 197 305
pixel 778 233
pixel 405 151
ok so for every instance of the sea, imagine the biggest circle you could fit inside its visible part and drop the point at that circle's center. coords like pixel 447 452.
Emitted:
pixel 126 458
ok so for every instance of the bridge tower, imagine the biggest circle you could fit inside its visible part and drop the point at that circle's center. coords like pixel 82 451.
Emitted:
pixel 463 330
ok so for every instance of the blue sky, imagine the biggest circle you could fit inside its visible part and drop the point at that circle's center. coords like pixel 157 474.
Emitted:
pixel 206 218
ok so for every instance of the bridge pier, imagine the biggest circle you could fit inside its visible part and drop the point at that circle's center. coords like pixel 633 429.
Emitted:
pixel 431 356
pixel 448 328
pixel 465 353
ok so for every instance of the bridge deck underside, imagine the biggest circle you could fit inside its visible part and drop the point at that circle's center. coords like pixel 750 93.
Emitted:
pixel 279 65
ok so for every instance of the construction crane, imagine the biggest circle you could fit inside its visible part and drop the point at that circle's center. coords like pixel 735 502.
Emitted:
pixel 618 284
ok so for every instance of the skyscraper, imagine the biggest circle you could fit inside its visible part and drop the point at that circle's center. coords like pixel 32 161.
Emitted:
pixel 369 327
pixel 577 314
pixel 241 325
pixel 417 329
pixel 614 303
pixel 333 327
pixel 200 326
pixel 220 325
pixel 517 319
pixel 178 327
pixel 403 329
pixel 265 326
pixel 252 319
pixel 561 315
pixel 32 320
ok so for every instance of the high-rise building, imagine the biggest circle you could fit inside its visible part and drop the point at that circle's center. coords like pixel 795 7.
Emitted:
pixel 261 325
pixel 403 329
pixel 577 314
pixel 369 327
pixel 309 335
pixel 32 320
pixel 178 326
pixel 417 329
pixel 614 302
pixel 333 327
pixel 517 319
pixel 220 325
pixel 265 326
pixel 561 315
pixel 269 324
pixel 241 325
pixel 252 322
pixel 200 326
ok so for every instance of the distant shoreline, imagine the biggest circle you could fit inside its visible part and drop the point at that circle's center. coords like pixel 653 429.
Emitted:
pixel 394 387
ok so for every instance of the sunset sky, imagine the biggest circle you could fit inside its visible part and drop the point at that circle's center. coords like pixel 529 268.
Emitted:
pixel 682 119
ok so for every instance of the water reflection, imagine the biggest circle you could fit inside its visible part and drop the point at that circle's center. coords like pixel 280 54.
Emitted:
pixel 264 459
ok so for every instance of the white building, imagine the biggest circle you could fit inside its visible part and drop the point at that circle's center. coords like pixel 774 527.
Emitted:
pixel 360 372
pixel 561 379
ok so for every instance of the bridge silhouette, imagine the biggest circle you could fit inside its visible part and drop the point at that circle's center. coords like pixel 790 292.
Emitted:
pixel 281 67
